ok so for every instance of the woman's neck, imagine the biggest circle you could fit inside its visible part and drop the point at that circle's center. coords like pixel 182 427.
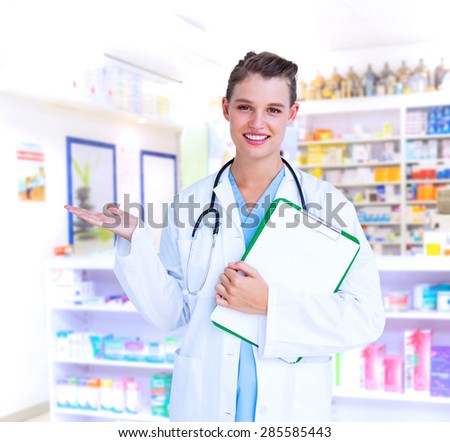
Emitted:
pixel 255 175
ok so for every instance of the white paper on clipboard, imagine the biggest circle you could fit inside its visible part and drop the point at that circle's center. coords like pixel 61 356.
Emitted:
pixel 291 249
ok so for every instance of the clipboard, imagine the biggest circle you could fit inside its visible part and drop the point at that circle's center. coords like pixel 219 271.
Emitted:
pixel 291 248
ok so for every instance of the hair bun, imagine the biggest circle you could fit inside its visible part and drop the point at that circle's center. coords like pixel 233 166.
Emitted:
pixel 249 55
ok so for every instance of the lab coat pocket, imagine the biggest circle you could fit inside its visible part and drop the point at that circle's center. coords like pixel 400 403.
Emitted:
pixel 312 390
pixel 186 400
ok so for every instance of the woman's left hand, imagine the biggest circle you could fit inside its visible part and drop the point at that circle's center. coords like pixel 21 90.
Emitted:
pixel 242 288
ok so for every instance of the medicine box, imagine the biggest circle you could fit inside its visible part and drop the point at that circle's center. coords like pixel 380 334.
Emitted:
pixel 440 371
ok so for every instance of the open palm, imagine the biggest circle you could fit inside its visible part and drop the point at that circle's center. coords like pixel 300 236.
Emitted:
pixel 113 219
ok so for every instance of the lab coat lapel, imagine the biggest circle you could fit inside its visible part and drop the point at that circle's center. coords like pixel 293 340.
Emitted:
pixel 225 195
pixel 288 188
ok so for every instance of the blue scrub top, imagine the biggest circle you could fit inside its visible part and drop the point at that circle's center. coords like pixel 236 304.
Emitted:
pixel 247 390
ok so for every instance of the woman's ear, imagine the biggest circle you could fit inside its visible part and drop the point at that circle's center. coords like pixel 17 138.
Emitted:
pixel 293 114
pixel 225 108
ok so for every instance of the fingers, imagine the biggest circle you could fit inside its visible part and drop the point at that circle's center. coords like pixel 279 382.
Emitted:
pixel 90 217
pixel 222 301
pixel 243 267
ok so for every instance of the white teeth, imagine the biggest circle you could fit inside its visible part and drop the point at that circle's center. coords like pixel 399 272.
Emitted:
pixel 256 137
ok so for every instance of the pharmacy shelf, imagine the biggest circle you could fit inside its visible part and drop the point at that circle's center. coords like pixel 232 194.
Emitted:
pixel 363 120
pixel 377 203
pixel 421 202
pixel 429 161
pixel 105 308
pixel 418 314
pixel 371 104
pixel 390 396
pixel 96 262
pixel 371 184
pixel 349 165
pixel 355 140
pixel 379 223
pixel 143 416
pixel 115 363
pixel 427 137
pixel 118 319
pixel 428 181
pixel 385 243
pixel 413 264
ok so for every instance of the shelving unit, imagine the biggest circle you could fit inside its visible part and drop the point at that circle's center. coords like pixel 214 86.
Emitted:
pixel 121 320
pixel 399 233
pixel 357 404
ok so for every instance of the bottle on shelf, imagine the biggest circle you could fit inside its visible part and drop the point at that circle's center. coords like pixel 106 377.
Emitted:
pixel 370 79
pixel 386 82
pixel 403 75
pixel 352 85
pixel 439 74
pixel 332 87
pixel 420 79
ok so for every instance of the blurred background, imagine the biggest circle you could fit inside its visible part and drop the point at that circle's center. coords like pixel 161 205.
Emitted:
pixel 124 97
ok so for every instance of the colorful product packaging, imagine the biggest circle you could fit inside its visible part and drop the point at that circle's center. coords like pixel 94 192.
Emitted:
pixel 393 373
pixel 440 371
pixel 417 348
pixel 160 385
pixel 373 357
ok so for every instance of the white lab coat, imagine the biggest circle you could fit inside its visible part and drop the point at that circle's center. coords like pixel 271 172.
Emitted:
pixel 205 372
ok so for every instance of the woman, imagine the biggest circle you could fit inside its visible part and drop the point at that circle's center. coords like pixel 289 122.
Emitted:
pixel 218 377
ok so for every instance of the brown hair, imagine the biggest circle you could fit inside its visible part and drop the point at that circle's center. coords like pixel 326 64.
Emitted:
pixel 268 65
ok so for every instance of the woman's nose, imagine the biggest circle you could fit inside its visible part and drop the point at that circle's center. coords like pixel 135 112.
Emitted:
pixel 257 120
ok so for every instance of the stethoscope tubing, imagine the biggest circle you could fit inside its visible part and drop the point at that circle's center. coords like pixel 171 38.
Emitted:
pixel 212 209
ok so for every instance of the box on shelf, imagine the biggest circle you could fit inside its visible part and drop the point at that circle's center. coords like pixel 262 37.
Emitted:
pixel 393 376
pixel 436 243
pixel 373 356
pixel 440 371
pixel 417 349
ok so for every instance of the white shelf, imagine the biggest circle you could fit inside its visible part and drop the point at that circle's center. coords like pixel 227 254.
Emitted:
pixel 100 262
pixel 372 104
pixel 390 396
pixel 429 161
pixel 349 166
pixel 418 314
pixel 414 263
pixel 381 223
pixel 428 181
pixel 427 137
pixel 377 204
pixel 115 363
pixel 124 308
pixel 348 141
pixel 122 417
pixel 372 184
pixel 421 202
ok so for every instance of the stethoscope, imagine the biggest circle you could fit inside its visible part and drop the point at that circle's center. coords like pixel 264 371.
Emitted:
pixel 212 209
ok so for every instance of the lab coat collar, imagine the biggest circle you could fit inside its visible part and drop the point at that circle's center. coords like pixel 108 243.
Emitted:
pixel 225 195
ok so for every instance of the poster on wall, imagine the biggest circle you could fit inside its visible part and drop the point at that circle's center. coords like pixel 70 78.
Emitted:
pixel 91 175
pixel 158 187
pixel 31 172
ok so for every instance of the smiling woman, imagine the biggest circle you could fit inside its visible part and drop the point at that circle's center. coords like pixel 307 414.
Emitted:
pixel 217 376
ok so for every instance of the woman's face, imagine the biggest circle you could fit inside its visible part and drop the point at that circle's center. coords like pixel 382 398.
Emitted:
pixel 259 111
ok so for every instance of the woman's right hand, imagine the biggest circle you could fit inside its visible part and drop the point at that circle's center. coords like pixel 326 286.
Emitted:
pixel 117 221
